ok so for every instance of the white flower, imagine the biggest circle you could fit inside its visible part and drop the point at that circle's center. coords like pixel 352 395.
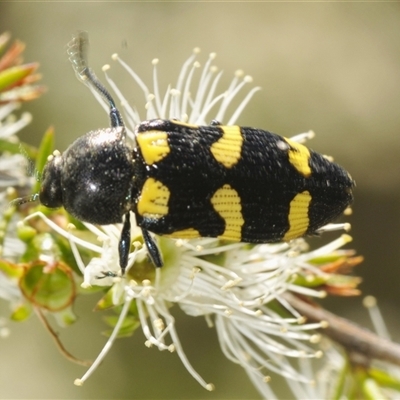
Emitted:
pixel 12 166
pixel 12 174
pixel 238 288
pixel 179 102
pixel 233 292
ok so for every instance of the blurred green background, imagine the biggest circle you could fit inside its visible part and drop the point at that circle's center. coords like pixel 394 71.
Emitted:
pixel 330 67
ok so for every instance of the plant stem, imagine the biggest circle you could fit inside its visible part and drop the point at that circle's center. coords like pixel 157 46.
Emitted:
pixel 361 344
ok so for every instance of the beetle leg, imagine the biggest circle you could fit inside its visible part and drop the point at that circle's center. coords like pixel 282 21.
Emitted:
pixel 152 249
pixel 124 243
pixel 107 274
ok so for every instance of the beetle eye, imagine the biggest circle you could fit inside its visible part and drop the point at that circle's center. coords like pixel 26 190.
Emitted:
pixel 50 194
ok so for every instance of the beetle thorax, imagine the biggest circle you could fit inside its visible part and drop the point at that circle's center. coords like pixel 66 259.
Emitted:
pixel 92 179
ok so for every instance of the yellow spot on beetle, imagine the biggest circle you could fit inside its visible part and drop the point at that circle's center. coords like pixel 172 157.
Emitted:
pixel 154 145
pixel 227 150
pixel 189 233
pixel 226 202
pixel 298 215
pixel 153 199
pixel 299 157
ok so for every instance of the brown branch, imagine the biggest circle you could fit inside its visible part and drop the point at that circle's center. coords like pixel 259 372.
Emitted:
pixel 362 344
pixel 59 344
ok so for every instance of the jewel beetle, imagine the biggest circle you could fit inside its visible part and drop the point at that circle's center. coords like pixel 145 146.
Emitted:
pixel 189 181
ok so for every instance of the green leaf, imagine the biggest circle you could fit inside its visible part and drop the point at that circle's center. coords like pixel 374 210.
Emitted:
pixel 372 390
pixel 310 280
pixel 26 233
pixel 340 382
pixel 45 149
pixel 107 301
pixel 14 75
pixel 129 325
pixel 325 259
pixel 21 313
pixel 15 148
pixel 65 317
pixel 11 270
pixel 384 378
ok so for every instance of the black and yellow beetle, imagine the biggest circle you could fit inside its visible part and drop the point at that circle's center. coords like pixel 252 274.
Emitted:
pixel 188 181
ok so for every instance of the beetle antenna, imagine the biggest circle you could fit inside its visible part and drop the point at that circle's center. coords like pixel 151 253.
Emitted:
pixel 23 200
pixel 78 49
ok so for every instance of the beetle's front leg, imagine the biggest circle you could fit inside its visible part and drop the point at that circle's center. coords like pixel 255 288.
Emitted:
pixel 152 249
pixel 124 243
